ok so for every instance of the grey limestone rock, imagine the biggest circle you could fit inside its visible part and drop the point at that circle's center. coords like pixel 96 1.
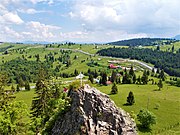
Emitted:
pixel 93 113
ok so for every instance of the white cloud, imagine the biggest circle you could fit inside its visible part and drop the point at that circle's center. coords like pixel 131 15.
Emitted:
pixel 74 35
pixel 47 1
pixel 11 17
pixel 155 17
pixel 8 34
pixel 41 31
pixel 92 20
pixel 30 11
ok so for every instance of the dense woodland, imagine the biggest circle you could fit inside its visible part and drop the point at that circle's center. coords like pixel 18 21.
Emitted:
pixel 20 69
pixel 3 49
pixel 168 61
pixel 143 42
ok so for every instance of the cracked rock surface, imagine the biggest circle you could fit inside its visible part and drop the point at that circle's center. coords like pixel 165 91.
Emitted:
pixel 93 113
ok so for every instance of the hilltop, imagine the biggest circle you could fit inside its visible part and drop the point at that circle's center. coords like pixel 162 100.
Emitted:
pixel 143 42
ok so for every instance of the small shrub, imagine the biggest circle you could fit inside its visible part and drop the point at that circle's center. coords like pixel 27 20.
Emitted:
pixel 146 118
pixel 157 106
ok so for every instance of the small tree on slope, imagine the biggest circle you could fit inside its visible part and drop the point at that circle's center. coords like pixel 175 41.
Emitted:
pixel 130 98
pixel 114 89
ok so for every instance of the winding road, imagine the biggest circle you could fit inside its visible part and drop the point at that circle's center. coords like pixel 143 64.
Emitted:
pixel 87 53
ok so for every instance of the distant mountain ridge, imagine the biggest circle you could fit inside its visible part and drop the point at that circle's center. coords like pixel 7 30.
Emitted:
pixel 177 37
pixel 143 42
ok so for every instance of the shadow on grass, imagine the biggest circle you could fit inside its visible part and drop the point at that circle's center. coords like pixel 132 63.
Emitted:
pixel 156 90
pixel 142 129
pixel 126 104
pixel 112 94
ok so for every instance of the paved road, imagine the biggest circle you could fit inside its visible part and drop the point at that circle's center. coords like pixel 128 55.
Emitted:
pixel 143 64
pixel 81 51
pixel 74 50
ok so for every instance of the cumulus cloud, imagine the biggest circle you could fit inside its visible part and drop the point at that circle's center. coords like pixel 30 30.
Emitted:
pixel 40 31
pixel 7 16
pixel 137 16
pixel 8 34
pixel 11 17
pixel 91 20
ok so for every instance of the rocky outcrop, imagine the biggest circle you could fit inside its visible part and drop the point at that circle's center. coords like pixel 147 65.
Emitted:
pixel 93 113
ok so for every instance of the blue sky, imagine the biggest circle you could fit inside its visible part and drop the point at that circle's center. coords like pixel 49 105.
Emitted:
pixel 87 20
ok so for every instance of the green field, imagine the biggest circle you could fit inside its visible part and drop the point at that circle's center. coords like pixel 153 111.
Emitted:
pixel 168 100
pixel 166 47
pixel 146 96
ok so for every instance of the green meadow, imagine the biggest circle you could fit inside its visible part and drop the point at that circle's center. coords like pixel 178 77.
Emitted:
pixel 148 96
pixel 164 103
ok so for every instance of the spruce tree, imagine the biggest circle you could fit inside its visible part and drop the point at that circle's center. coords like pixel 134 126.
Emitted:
pixel 144 77
pixel 17 88
pixel 104 78
pixel 95 74
pixel 130 98
pixel 134 78
pixel 162 75
pixel 160 84
pixel 76 72
pixel 27 86
pixel 131 71
pixel 114 89
pixel 91 79
pixel 113 76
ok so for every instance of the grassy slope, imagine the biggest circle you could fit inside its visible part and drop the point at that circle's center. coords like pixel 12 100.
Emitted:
pixel 25 96
pixel 168 99
pixel 166 47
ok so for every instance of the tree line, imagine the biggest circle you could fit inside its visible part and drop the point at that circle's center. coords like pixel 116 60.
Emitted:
pixel 168 61
pixel 144 42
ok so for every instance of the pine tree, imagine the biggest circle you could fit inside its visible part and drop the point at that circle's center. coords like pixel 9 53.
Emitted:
pixel 160 84
pixel 95 74
pixel 91 78
pixel 17 88
pixel 27 86
pixel 118 80
pixel 162 75
pixel 13 88
pixel 113 76
pixel 130 98
pixel 76 72
pixel 131 71
pixel 20 82
pixel 134 78
pixel 125 78
pixel 152 72
pixel 158 71
pixel 172 48
pixel 114 89
pixel 40 102
pixel 104 78
pixel 158 48
pixel 139 79
pixel 144 77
